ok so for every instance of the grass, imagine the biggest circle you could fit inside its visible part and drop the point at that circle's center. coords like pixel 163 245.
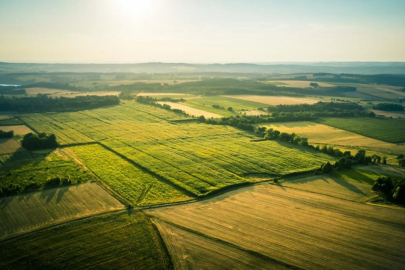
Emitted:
pixel 24 168
pixel 23 213
pixel 111 241
pixel 389 130
pixel 130 182
pixel 205 104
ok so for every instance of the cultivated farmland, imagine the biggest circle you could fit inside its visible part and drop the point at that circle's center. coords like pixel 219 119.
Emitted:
pixel 132 183
pixel 9 146
pixel 296 228
pixel 276 100
pixel 389 130
pixel 195 158
pixel 332 186
pixel 192 251
pixel 27 169
pixel 22 213
pixel 323 134
pixel 110 241
pixel 18 130
pixel 190 110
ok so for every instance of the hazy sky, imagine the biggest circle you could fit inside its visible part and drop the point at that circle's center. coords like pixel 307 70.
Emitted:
pixel 201 31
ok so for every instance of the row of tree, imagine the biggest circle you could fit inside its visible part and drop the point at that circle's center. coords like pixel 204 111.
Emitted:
pixel 43 103
pixel 154 102
pixel 388 107
pixel 6 134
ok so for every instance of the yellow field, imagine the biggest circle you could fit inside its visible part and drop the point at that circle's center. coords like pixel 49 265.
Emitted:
pixel 95 93
pixel 296 228
pixel 9 146
pixel 394 171
pixel 193 251
pixel 18 130
pixel 332 186
pixel 273 100
pixel 390 114
pixel 24 213
pixel 322 134
pixel 191 111
pixel 301 84
pixel 38 90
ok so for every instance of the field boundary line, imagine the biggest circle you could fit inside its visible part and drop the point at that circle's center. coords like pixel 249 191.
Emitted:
pixel 158 177
pixel 25 123
pixel 103 185
pixel 251 252
pixel 5 240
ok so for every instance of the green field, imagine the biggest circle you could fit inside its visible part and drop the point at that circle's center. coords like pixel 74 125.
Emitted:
pixel 205 104
pixel 389 130
pixel 194 158
pixel 25 168
pixel 112 241
pixel 132 183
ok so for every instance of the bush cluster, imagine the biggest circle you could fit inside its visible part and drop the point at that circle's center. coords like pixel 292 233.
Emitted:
pixel 39 141
pixel 392 189
pixel 6 134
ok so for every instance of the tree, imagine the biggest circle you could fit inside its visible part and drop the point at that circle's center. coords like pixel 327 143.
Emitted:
pixel 314 85
pixel 230 109
pixel 327 168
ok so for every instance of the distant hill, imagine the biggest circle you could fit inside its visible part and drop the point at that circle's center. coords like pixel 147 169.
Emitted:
pixel 268 68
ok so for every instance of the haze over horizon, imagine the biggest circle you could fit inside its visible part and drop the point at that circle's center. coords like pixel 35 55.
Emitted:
pixel 174 31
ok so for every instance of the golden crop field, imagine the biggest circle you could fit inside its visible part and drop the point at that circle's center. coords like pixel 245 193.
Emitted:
pixel 192 251
pixel 276 100
pixel 18 130
pixel 295 228
pixel 323 134
pixel 190 110
pixel 38 90
pixel 332 186
pixel 28 212
pixel 9 146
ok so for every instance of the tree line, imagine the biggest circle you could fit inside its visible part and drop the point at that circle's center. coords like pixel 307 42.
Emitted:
pixel 43 103
pixel 388 107
pixel 6 134
pixel 154 102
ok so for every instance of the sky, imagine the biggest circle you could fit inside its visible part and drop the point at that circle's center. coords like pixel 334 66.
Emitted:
pixel 201 31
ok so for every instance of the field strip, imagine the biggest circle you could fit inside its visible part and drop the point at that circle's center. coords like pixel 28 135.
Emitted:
pixel 32 211
pixel 188 193
pixel 190 250
pixel 332 186
pixel 306 230
pixel 10 146
pixel 275 100
pixel 190 110
pixel 18 129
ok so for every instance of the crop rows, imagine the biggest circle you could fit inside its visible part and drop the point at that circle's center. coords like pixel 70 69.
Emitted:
pixel 130 182
pixel 300 229
pixel 195 158
pixel 389 130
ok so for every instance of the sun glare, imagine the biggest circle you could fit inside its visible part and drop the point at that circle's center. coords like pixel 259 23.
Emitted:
pixel 129 8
